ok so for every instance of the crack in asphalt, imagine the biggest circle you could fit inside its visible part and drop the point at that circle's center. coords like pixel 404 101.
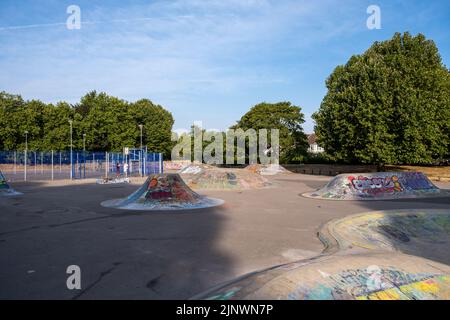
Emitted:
pixel 100 278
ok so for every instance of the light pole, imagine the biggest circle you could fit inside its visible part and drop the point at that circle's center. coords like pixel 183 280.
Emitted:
pixel 141 153
pixel 71 151
pixel 84 155
pixel 26 155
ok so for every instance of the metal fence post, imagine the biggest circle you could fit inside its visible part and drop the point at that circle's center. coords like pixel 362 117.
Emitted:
pixel 52 167
pixel 25 165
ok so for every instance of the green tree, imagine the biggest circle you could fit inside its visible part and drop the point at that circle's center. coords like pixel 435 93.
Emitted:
pixel 109 123
pixel 285 117
pixel 388 105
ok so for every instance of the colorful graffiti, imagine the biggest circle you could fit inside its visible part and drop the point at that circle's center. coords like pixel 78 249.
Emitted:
pixel 366 265
pixel 163 192
pixel 175 165
pixel 383 284
pixel 376 186
pixel 5 189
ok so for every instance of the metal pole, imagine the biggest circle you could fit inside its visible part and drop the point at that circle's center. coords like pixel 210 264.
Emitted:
pixel 15 161
pixel 84 155
pixel 52 166
pixel 106 165
pixel 42 162
pixel 26 156
pixel 140 153
pixel 35 162
pixel 71 150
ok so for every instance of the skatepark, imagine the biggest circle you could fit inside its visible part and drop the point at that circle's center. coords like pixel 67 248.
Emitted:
pixel 275 234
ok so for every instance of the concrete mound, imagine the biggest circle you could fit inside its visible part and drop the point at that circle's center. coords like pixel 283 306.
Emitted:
pixel 364 260
pixel 378 186
pixel 163 192
pixel 209 177
pixel 5 189
pixel 266 169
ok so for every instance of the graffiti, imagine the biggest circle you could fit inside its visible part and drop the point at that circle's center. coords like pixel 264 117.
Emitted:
pixel 163 192
pixel 390 283
pixel 378 272
pixel 376 186
pixel 175 165
pixel 194 169
pixel 5 189
pixel 228 294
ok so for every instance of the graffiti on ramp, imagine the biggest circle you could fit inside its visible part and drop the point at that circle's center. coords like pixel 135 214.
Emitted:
pixel 382 255
pixel 378 186
pixel 163 192
pixel 5 189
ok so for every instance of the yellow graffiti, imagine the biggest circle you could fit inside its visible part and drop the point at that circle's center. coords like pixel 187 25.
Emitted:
pixel 430 288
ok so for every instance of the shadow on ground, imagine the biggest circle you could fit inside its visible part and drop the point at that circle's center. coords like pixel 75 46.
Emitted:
pixel 141 255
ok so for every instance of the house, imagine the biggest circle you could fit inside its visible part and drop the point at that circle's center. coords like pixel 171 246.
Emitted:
pixel 313 146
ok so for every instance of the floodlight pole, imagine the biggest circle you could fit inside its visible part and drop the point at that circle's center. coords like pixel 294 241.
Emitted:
pixel 84 155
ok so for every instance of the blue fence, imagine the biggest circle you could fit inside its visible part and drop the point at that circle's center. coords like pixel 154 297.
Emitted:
pixel 37 165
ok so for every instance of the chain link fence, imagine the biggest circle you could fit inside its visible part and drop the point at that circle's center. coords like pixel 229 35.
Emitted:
pixel 52 165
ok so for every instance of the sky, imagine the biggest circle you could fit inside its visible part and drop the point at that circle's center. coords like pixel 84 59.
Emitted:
pixel 203 60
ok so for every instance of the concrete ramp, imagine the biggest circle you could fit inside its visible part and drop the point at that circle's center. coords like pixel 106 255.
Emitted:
pixel 378 186
pixel 163 192
pixel 206 177
pixel 5 189
pixel 364 259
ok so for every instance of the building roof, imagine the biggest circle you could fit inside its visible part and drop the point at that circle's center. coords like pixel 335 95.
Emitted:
pixel 312 138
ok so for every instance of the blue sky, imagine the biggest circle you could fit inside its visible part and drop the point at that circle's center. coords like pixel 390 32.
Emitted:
pixel 202 60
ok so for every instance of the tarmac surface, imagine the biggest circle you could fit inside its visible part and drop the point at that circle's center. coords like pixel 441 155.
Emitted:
pixel 161 255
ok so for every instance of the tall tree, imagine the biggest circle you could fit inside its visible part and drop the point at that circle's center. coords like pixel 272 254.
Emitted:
pixel 388 105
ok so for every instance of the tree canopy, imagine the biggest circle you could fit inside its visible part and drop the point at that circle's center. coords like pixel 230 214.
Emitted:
pixel 285 117
pixel 108 122
pixel 388 105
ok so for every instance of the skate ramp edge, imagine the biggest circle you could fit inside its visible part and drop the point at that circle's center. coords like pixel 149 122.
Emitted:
pixel 363 260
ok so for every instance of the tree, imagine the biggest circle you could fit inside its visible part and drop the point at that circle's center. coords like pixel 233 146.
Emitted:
pixel 388 105
pixel 108 122
pixel 283 116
